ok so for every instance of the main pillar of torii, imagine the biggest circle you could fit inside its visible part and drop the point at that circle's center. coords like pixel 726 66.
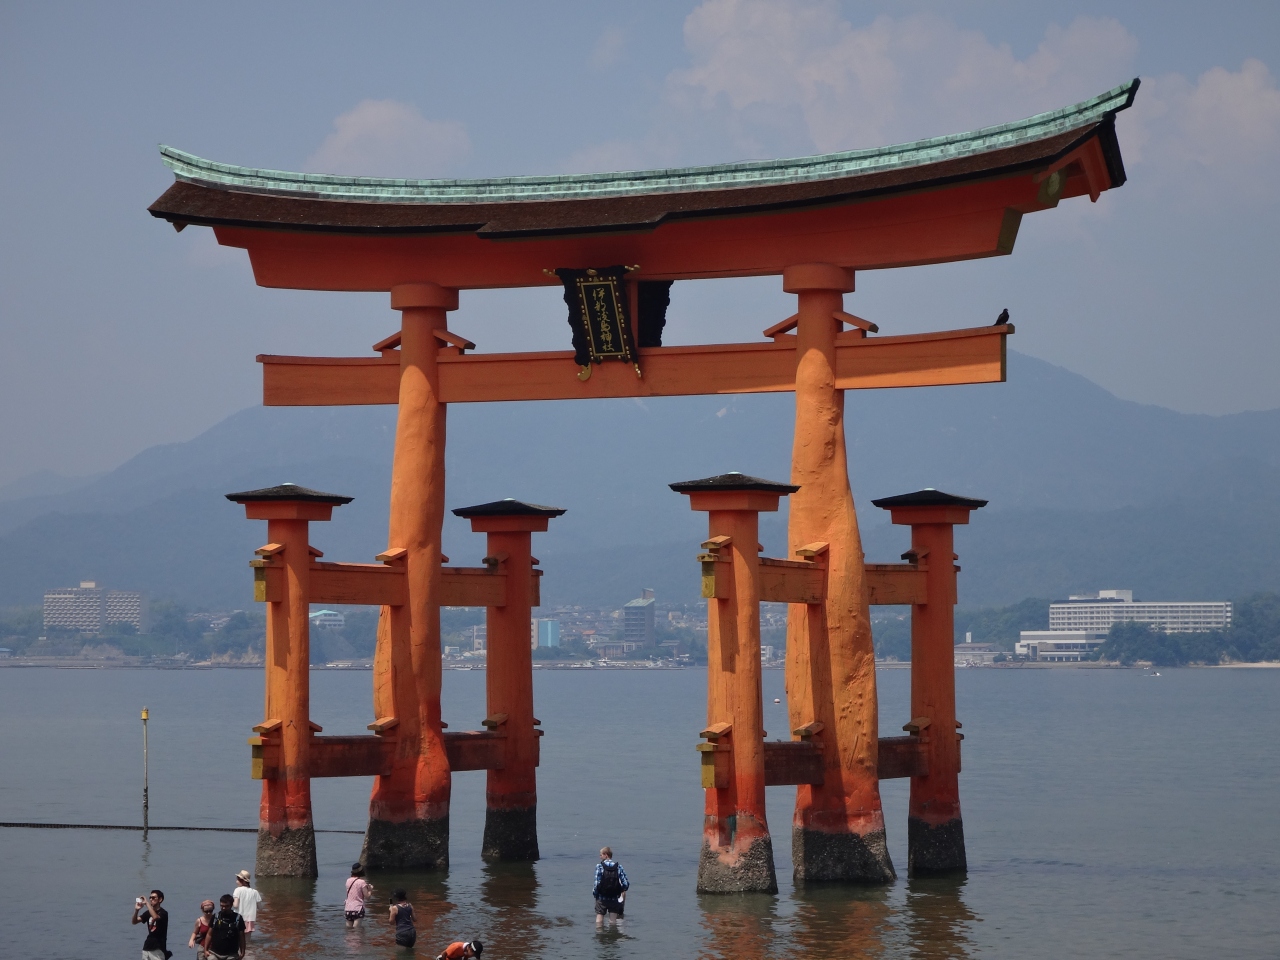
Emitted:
pixel 838 829
pixel 409 809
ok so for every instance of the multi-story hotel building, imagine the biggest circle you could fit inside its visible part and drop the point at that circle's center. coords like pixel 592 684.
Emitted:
pixel 1097 612
pixel 89 609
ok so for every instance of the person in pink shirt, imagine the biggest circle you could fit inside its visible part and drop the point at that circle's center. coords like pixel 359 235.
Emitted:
pixel 359 892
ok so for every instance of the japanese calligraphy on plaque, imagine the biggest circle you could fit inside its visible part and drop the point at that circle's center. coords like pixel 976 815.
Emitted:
pixel 599 317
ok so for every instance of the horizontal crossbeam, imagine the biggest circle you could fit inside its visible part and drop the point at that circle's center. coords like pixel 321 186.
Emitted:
pixel 378 585
pixel 371 756
pixel 892 584
pixel 917 360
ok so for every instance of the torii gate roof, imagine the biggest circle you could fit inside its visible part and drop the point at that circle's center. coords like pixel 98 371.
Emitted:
pixel 945 198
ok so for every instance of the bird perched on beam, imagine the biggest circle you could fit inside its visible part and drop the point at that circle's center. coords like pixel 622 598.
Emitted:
pixel 1002 319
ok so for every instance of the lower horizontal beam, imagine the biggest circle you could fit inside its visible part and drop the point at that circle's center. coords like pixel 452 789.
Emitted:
pixel 975 355
pixel 359 756
pixel 801 761
pixel 902 757
pixel 475 750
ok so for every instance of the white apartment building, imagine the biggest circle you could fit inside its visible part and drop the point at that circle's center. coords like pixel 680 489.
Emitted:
pixel 1096 613
pixel 89 609
pixel 328 620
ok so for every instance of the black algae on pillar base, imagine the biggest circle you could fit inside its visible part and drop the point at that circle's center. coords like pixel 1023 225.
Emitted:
pixel 510 835
pixel 406 845
pixel 935 851
pixel 292 854
pixel 821 857
pixel 747 871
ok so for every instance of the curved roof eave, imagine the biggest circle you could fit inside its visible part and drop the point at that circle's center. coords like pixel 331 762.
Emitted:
pixel 682 180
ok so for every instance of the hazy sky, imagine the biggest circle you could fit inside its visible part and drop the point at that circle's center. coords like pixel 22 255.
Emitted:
pixel 117 334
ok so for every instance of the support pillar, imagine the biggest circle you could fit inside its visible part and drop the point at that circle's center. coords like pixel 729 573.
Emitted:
pixel 935 830
pixel 838 829
pixel 511 791
pixel 737 850
pixel 286 833
pixel 409 808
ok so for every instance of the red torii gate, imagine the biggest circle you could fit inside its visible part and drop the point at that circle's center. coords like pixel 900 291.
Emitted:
pixel 815 222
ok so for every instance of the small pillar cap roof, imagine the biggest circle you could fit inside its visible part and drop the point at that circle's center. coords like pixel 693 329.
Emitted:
pixel 734 481
pixel 508 508
pixel 928 497
pixel 286 492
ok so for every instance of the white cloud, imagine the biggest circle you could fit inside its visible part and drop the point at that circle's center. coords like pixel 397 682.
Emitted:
pixel 1221 129
pixel 387 138
pixel 777 67
pixel 609 48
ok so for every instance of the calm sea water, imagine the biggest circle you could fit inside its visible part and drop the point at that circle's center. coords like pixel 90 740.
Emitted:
pixel 1108 814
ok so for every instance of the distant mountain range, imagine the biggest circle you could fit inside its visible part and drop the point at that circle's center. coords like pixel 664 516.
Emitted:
pixel 1086 491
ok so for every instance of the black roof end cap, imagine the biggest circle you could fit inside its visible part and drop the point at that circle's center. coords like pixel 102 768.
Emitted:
pixel 508 508
pixel 928 497
pixel 733 481
pixel 288 491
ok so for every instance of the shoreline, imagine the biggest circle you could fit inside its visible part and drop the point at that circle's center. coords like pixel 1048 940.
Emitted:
pixel 72 663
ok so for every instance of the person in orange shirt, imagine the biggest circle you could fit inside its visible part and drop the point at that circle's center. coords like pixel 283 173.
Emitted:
pixel 462 948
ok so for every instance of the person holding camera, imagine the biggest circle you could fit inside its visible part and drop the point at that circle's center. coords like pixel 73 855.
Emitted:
pixel 402 919
pixel 359 892
pixel 156 946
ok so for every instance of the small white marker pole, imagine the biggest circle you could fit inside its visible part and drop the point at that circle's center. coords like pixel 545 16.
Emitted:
pixel 145 801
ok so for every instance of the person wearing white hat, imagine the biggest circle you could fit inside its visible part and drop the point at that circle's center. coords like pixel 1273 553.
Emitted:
pixel 246 900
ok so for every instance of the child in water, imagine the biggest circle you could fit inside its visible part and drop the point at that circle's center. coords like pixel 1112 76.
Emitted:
pixel 460 949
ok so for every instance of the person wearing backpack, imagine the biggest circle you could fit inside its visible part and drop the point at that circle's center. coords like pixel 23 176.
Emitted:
pixel 610 889
pixel 225 939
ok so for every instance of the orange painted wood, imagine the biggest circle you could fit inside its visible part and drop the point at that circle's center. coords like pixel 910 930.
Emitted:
pixel 509 664
pixel 472 587
pixel 360 756
pixel 830 662
pixel 368 583
pixel 787 581
pixel 891 584
pixel 902 757
pixel 930 359
pixel 794 761
pixel 286 800
pixel 407 666
pixel 931 226
pixel 477 750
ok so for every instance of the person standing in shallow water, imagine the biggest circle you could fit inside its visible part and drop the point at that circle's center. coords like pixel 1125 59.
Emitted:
pixel 359 892
pixel 402 919
pixel 149 911
pixel 246 900
pixel 610 888
pixel 201 930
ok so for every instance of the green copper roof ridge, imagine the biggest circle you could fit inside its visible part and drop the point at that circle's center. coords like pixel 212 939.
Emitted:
pixel 747 173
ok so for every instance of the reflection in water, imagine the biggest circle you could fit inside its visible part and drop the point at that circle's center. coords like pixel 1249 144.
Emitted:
pixel 738 926
pixel 937 920
pixel 289 904
pixel 836 920
pixel 509 893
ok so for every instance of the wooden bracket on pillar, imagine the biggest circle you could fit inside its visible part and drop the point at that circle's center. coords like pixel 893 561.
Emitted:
pixel 494 722
pixel 384 724
pixel 267 727
pixel 394 555
pixel 862 327
pixel 916 725
pixel 716 762
pixel 809 730
pixel 717 731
